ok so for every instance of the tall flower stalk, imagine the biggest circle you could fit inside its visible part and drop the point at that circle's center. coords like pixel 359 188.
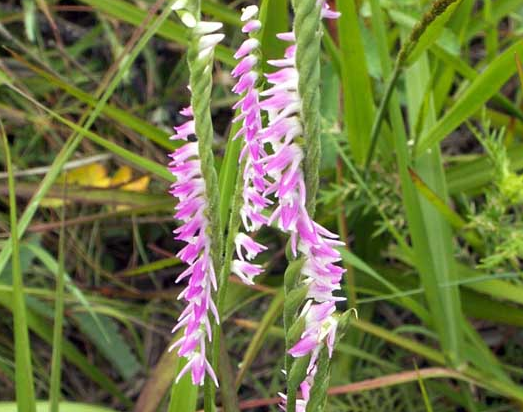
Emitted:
pixel 287 172
pixel 196 190
pixel 254 183
pixel 293 132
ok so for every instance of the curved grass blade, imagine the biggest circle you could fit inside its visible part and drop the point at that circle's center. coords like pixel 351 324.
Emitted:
pixel 25 395
pixel 473 98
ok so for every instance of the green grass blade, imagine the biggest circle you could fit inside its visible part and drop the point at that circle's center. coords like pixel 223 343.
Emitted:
pixel 183 394
pixel 25 395
pixel 358 107
pixel 470 176
pixel 451 216
pixel 228 174
pixel 159 381
pixel 275 19
pixel 500 8
pixel 444 304
pixel 431 33
pixel 151 132
pixel 423 389
pixel 30 21
pixel 269 318
pixel 56 360
pixel 40 326
pixel 473 98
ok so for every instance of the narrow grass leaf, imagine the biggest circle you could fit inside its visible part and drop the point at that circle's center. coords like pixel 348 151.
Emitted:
pixel 56 360
pixel 275 19
pixel 183 394
pixel 473 98
pixel 269 318
pixel 432 33
pixel 25 394
pixel 358 106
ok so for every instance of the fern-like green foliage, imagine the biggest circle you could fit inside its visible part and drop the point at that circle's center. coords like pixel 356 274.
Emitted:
pixel 498 218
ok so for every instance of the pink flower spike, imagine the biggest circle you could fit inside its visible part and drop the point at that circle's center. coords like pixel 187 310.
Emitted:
pixel 183 131
pixel 246 82
pixel 254 202
pixel 303 347
pixel 189 189
pixel 285 181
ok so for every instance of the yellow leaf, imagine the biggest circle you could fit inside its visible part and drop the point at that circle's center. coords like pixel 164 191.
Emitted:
pixel 123 175
pixel 138 185
pixel 93 175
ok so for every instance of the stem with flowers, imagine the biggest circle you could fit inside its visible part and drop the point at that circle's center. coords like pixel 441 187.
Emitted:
pixel 307 26
pixel 196 188
pixel 307 29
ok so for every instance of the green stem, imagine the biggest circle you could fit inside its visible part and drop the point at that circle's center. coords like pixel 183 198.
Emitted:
pixel 201 81
pixel 223 281
pixel 380 115
pixel 307 27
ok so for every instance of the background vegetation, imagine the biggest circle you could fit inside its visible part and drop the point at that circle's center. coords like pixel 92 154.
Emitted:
pixel 421 150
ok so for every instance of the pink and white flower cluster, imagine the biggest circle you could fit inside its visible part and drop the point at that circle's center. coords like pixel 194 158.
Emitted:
pixel 273 167
pixel 254 184
pixel 316 244
pixel 191 209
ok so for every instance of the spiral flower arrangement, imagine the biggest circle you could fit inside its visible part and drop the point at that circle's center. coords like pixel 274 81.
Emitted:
pixel 280 130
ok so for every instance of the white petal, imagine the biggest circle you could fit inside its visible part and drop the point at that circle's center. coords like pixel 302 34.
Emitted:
pixel 249 12
pixel 210 40
pixel 206 27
